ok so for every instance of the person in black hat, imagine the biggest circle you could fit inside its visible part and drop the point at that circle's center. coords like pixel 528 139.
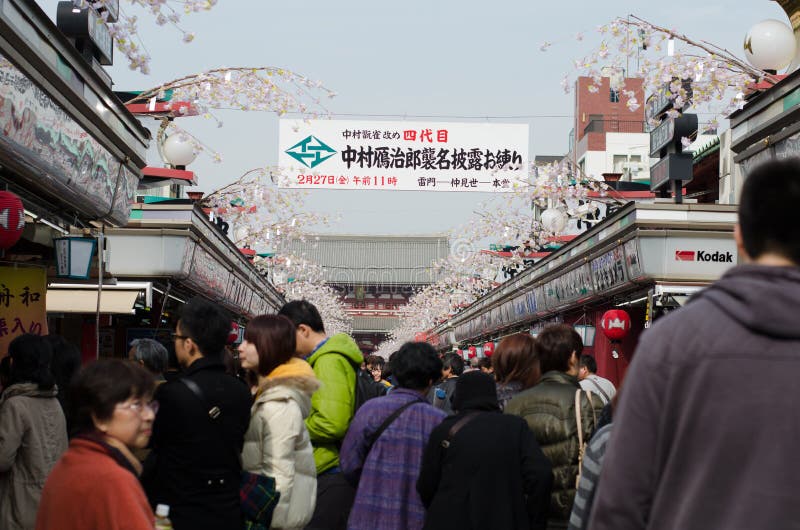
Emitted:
pixel 481 458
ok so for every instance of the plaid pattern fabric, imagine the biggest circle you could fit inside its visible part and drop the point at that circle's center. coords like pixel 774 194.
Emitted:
pixel 259 498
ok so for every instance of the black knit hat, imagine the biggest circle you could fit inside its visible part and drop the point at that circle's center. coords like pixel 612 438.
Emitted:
pixel 475 390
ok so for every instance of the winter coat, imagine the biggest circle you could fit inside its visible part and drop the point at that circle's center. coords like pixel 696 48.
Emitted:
pixel 90 490
pixel 33 435
pixel 706 431
pixel 277 443
pixel 335 365
pixel 549 409
pixel 194 465
pixel 386 471
pixel 493 475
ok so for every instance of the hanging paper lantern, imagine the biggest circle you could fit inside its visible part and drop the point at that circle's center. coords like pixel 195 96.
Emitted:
pixel 473 352
pixel 615 323
pixel 233 335
pixel 488 349
pixel 12 219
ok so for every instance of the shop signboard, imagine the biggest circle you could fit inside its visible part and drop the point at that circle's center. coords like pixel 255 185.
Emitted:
pixel 569 287
pixel 608 270
pixel 632 260
pixel 700 258
pixel 67 160
pixel 402 155
pixel 22 303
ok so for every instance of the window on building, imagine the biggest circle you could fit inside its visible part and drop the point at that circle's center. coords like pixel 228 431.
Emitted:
pixel 619 162
pixel 614 96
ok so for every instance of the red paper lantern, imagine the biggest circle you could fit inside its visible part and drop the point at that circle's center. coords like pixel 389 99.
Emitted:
pixel 12 219
pixel 233 334
pixel 615 323
pixel 473 352
pixel 488 349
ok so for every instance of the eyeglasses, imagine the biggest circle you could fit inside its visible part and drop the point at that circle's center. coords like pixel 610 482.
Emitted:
pixel 374 369
pixel 139 406
pixel 177 336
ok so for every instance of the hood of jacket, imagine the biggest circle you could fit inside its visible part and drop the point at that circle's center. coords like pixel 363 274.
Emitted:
pixel 293 380
pixel 30 390
pixel 342 344
pixel 764 299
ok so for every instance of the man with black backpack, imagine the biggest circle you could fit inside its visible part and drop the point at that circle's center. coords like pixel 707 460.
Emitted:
pixel 335 361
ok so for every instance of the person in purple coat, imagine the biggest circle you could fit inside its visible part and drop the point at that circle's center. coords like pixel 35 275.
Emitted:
pixel 386 467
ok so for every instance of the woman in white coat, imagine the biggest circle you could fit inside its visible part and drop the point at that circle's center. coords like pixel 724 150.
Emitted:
pixel 277 443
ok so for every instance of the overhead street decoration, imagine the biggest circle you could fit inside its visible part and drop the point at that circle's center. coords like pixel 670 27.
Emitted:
pixel 423 156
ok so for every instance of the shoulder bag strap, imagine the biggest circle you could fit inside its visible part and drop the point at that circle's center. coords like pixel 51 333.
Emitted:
pixel 214 411
pixel 579 423
pixel 457 427
pixel 388 421
pixel 598 387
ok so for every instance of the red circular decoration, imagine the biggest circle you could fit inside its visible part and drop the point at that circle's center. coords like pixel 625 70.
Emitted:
pixel 12 219
pixel 233 334
pixel 473 352
pixel 615 323
pixel 488 349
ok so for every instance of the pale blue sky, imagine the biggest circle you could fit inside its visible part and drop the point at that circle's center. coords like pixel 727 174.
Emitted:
pixel 436 57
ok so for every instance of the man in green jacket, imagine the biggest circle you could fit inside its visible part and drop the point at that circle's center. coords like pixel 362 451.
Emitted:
pixel 549 409
pixel 335 361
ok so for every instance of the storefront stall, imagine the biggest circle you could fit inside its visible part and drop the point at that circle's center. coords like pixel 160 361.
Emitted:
pixel 70 151
pixel 646 259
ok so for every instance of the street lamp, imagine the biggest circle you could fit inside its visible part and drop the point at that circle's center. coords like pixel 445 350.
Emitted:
pixel 177 150
pixel 770 45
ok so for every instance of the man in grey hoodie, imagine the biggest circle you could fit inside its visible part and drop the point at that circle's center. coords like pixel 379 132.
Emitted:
pixel 707 429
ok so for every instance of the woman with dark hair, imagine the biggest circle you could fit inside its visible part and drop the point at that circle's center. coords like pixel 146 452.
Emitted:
pixel 277 443
pixel 95 485
pixel 516 366
pixel 33 431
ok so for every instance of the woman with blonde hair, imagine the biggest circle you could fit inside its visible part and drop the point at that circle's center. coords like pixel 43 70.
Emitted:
pixel 516 366
pixel 277 443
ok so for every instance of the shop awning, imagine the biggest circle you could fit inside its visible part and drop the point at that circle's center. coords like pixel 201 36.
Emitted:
pixel 115 299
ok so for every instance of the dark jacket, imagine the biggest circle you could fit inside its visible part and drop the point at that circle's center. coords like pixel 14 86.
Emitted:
pixel 493 476
pixel 194 466
pixel 549 409
pixel 705 434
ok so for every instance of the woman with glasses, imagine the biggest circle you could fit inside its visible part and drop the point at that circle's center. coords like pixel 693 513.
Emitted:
pixel 33 432
pixel 95 485
pixel 277 443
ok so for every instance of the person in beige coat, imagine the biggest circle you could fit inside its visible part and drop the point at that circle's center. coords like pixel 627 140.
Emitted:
pixel 277 443
pixel 33 431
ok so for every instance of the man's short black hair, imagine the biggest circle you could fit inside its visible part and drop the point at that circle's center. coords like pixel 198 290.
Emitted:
pixel 303 312
pixel 556 344
pixel 588 362
pixel 206 324
pixel 454 362
pixel 767 209
pixel 415 365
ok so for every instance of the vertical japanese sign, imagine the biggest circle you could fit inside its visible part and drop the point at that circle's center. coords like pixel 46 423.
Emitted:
pixel 386 155
pixel 22 303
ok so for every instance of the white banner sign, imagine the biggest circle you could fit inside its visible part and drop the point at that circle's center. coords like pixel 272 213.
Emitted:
pixel 402 155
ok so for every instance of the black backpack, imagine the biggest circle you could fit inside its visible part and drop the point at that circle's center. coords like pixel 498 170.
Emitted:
pixel 366 389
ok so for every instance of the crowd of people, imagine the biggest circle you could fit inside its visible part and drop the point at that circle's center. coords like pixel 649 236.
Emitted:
pixel 699 437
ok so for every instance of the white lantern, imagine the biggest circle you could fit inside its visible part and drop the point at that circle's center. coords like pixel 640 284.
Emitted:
pixel 553 220
pixel 178 150
pixel 770 45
